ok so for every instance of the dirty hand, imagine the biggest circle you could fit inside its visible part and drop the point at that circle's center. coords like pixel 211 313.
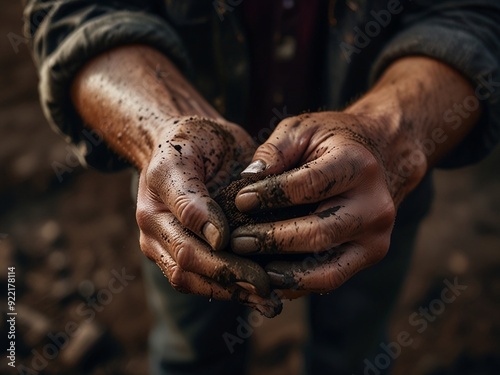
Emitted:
pixel 357 166
pixel 149 114
pixel 322 158
pixel 181 224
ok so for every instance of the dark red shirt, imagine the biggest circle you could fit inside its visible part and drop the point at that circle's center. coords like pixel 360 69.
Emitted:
pixel 285 40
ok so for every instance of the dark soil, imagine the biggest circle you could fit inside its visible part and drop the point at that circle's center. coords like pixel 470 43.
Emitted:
pixel 226 196
pixel 226 200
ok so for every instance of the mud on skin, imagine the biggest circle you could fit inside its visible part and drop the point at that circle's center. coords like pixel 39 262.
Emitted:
pixel 226 200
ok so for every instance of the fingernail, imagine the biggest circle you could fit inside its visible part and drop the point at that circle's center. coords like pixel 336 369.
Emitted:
pixel 247 201
pixel 255 167
pixel 245 245
pixel 267 307
pixel 212 235
pixel 247 286
pixel 279 280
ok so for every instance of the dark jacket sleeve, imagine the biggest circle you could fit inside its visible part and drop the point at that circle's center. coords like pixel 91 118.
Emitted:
pixel 66 34
pixel 466 35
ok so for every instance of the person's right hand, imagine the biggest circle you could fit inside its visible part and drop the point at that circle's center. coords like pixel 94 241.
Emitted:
pixel 180 224
pixel 148 113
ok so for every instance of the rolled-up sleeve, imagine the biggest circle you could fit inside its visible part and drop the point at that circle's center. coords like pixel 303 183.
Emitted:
pixel 465 35
pixel 67 34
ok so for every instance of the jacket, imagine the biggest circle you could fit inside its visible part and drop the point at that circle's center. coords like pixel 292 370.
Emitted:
pixel 204 38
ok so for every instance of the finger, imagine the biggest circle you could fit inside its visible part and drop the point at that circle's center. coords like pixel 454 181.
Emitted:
pixel 335 222
pixel 324 272
pixel 188 282
pixel 180 188
pixel 333 173
pixel 283 150
pixel 167 238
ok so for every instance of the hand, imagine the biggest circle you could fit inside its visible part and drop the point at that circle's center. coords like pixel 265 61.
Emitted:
pixel 352 158
pixel 149 114
pixel 180 224
pixel 358 165
pixel 326 158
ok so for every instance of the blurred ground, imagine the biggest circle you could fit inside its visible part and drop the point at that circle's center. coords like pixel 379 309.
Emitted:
pixel 74 246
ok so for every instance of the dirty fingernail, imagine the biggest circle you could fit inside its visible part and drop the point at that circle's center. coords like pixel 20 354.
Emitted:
pixel 212 235
pixel 267 307
pixel 245 245
pixel 281 281
pixel 247 286
pixel 276 278
pixel 255 167
pixel 247 201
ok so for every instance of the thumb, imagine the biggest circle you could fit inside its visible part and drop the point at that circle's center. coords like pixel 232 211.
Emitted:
pixel 281 152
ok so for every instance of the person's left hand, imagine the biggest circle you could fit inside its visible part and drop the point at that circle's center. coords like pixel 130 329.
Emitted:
pixel 333 159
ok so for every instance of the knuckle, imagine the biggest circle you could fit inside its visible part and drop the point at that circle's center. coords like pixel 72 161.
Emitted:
pixel 146 249
pixel 335 278
pixel 156 173
pixel 378 250
pixel 313 183
pixel 142 216
pixel 321 239
pixel 361 160
pixel 188 211
pixel 288 121
pixel 183 258
pixel 175 275
pixel 368 162
pixel 269 149
pixel 377 254
pixel 177 278
pixel 388 214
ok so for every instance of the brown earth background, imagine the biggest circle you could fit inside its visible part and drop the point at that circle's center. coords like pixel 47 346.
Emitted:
pixel 68 239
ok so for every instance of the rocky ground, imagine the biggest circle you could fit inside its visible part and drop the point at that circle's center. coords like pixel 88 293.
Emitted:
pixel 79 292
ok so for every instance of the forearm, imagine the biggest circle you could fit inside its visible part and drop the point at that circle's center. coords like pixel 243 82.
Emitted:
pixel 127 95
pixel 410 132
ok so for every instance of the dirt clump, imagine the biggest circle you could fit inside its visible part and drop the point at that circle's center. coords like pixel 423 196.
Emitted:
pixel 226 200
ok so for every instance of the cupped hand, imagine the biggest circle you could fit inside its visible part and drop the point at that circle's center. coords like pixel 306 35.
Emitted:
pixel 181 225
pixel 332 159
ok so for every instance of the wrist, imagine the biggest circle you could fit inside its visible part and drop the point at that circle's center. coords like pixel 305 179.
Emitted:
pixel 406 108
pixel 396 140
pixel 131 95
